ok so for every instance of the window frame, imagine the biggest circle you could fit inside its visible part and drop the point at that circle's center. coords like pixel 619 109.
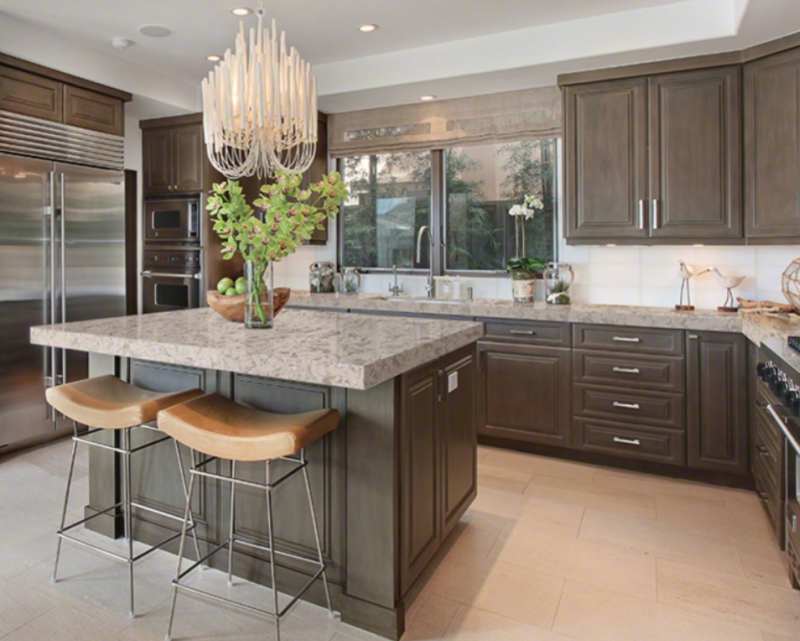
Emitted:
pixel 438 220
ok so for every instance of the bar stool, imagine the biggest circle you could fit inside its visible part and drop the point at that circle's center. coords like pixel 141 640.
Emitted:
pixel 107 403
pixel 222 429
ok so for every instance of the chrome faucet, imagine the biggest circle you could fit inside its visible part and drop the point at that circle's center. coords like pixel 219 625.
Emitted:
pixel 429 283
pixel 397 288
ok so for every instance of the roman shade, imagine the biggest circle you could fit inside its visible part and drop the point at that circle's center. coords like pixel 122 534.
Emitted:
pixel 530 113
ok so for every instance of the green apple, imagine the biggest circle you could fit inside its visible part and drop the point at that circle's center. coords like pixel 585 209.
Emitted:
pixel 224 284
pixel 241 285
pixel 231 291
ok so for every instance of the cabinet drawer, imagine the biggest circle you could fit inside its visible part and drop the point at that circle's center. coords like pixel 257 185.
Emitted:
pixel 620 439
pixel 645 340
pixel 662 410
pixel 663 374
pixel 769 494
pixel 535 333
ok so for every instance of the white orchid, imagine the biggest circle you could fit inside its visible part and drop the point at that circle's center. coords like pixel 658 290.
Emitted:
pixel 527 210
pixel 533 202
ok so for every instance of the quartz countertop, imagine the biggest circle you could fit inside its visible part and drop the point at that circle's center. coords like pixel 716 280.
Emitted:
pixel 342 350
pixel 761 329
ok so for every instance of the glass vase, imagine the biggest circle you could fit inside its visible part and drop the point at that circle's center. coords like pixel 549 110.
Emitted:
pixel 558 279
pixel 259 304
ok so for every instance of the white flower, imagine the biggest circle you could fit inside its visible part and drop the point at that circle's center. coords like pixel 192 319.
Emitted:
pixel 533 202
pixel 518 210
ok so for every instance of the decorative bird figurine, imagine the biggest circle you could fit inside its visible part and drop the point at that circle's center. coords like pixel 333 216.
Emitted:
pixel 687 273
pixel 729 283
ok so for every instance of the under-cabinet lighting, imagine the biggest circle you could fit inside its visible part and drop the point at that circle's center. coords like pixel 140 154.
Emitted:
pixel 368 28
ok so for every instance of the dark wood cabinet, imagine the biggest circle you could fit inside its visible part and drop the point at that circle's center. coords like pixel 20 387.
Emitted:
pixel 173 159
pixel 605 160
pixel 525 392
pixel 772 148
pixel 716 385
pixel 695 154
pixel 30 95
pixel 92 110
pixel 438 466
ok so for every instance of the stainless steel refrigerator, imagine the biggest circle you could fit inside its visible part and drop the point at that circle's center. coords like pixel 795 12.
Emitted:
pixel 62 258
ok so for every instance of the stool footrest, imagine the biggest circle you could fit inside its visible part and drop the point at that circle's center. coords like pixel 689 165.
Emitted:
pixel 265 548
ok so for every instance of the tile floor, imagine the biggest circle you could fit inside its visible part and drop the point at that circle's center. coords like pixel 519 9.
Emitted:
pixel 550 551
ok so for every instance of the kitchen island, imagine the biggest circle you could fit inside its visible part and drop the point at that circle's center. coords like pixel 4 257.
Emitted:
pixel 389 484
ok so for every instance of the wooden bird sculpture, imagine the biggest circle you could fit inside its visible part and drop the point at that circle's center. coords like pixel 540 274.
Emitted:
pixel 729 283
pixel 687 273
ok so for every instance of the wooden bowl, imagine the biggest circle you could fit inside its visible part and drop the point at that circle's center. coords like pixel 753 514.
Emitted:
pixel 232 307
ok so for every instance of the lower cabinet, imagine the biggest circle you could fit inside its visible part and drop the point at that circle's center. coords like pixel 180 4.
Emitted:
pixel 438 463
pixel 525 392
pixel 716 395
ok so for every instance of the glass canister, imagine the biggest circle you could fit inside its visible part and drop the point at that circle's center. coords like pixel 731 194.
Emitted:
pixel 321 278
pixel 351 280
pixel 558 278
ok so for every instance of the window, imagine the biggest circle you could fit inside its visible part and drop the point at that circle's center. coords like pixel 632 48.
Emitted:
pixel 390 201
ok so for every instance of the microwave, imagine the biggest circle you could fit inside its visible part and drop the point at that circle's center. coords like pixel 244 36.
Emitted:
pixel 174 220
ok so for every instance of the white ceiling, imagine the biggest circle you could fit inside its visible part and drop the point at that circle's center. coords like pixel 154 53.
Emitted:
pixel 448 48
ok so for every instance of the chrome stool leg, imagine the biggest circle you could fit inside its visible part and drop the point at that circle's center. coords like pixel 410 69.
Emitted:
pixel 54 577
pixel 271 544
pixel 316 534
pixel 186 493
pixel 186 516
pixel 230 525
pixel 127 486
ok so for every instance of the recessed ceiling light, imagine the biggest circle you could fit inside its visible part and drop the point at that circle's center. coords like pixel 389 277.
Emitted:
pixel 427 98
pixel 241 11
pixel 155 30
pixel 214 58
pixel 368 28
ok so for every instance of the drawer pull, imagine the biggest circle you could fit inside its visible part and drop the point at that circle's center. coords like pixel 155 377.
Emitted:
pixel 627 441
pixel 522 332
pixel 627 339
pixel 625 370
pixel 626 406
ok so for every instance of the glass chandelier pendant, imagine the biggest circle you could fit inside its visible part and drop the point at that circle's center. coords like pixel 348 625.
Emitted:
pixel 260 107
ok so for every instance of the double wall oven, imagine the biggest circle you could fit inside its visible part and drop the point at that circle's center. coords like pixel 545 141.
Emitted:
pixel 172 254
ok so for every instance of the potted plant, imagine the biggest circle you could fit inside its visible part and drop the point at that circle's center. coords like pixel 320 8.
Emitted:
pixel 524 272
pixel 285 216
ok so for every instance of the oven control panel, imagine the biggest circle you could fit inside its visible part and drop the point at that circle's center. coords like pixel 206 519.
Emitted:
pixel 784 384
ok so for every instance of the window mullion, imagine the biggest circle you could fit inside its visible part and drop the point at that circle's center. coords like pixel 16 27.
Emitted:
pixel 438 238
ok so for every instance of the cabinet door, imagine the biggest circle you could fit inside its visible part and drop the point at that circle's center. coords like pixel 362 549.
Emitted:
pixel 772 147
pixel 457 426
pixel 716 380
pixel 157 161
pixel 525 393
pixel 188 159
pixel 419 472
pixel 605 157
pixel 91 110
pixel 29 94
pixel 695 155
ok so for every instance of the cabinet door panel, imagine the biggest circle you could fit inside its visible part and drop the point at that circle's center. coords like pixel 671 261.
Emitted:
pixel 188 169
pixel 29 94
pixel 91 110
pixel 605 146
pixel 695 154
pixel 772 147
pixel 157 161
pixel 525 393
pixel 716 382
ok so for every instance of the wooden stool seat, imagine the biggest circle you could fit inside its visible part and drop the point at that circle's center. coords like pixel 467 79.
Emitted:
pixel 109 403
pixel 220 427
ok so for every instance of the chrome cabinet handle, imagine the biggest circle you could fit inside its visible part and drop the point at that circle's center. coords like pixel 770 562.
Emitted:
pixel 148 274
pixel 782 426
pixel 794 523
pixel 627 441
pixel 641 213
pixel 522 332
pixel 656 216
pixel 627 406
pixel 625 370
pixel 627 339
pixel 63 244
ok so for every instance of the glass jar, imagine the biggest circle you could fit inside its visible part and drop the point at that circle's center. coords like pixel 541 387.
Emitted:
pixel 351 280
pixel 321 278
pixel 558 278
pixel 259 303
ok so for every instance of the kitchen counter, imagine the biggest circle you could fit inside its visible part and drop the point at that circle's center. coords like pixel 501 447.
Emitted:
pixel 342 350
pixel 769 330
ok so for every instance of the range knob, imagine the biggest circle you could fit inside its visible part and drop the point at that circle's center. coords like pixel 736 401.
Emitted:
pixel 792 399
pixel 760 369
pixel 781 385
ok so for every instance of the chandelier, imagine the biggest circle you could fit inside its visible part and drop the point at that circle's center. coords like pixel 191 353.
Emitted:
pixel 260 107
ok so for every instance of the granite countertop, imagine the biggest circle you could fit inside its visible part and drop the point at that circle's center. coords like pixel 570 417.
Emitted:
pixel 768 330
pixel 343 350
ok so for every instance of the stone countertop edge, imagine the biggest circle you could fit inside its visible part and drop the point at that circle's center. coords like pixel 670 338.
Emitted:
pixel 758 328
pixel 345 360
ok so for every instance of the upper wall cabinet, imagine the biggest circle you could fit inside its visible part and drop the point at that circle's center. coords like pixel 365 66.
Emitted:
pixel 654 159
pixel 173 159
pixel 772 141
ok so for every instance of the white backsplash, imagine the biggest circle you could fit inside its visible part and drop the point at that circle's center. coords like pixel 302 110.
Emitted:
pixel 606 275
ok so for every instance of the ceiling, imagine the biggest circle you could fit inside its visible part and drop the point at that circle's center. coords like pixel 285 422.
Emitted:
pixel 448 48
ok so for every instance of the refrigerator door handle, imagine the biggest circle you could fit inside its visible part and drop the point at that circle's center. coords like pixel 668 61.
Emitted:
pixel 62 247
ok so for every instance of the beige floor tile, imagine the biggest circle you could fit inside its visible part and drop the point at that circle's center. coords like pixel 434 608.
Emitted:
pixel 769 636
pixel 475 537
pixel 768 565
pixel 660 540
pixel 479 625
pixel 430 616
pixel 600 615
pixel 508 478
pixel 459 581
pixel 65 624
pixel 499 503
pixel 540 513
pixel 535 464
pixel 771 608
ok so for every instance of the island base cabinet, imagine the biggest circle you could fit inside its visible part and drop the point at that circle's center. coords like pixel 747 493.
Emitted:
pixel 716 384
pixel 438 462
pixel 525 393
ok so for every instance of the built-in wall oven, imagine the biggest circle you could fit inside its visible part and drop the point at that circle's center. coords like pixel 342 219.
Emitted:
pixel 174 220
pixel 782 408
pixel 171 279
